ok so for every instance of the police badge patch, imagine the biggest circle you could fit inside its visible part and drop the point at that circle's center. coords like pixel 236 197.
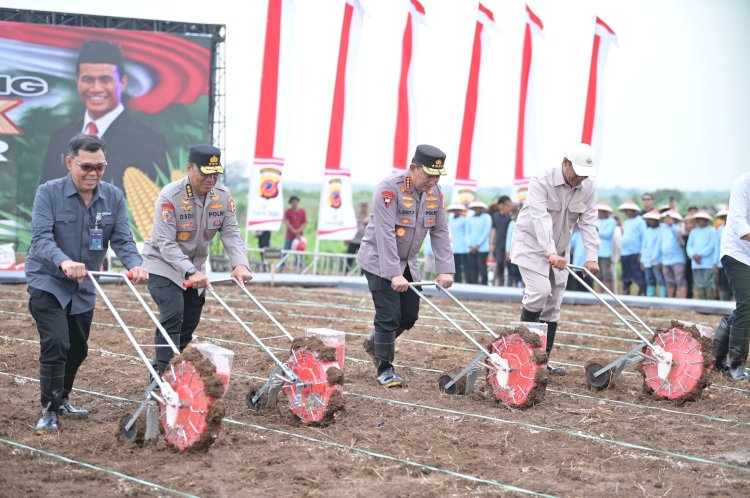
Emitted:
pixel 167 212
pixel 388 197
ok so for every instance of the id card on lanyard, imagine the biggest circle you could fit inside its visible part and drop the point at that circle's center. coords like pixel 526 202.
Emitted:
pixel 96 236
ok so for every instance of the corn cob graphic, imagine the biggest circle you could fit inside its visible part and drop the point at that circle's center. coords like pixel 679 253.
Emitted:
pixel 177 175
pixel 142 194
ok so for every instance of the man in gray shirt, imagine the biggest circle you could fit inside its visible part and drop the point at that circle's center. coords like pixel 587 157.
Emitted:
pixel 74 220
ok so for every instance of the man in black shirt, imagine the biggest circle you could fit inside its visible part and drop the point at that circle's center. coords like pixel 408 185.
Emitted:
pixel 500 220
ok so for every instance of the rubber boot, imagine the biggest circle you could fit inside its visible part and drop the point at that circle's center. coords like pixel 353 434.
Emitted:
pixel 739 343
pixel 651 291
pixel 51 381
pixel 720 345
pixel 663 291
pixel 67 410
pixel 530 316
pixel 551 331
pixel 369 345
pixel 384 344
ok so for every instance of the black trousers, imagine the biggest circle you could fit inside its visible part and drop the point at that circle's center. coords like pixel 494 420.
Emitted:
pixel 179 314
pixel 63 337
pixel 351 248
pixel 461 262
pixel 478 267
pixel 394 313
pixel 738 275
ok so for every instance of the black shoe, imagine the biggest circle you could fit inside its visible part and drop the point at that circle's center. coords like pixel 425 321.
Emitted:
pixel 370 350
pixel 556 370
pixel 48 423
pixel 67 410
pixel 389 379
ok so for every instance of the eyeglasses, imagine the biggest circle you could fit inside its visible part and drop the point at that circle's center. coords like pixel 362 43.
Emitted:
pixel 88 167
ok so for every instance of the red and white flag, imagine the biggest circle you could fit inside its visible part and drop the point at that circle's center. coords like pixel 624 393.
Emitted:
pixel 265 200
pixel 336 220
pixel 592 119
pixel 527 151
pixel 465 187
pixel 406 113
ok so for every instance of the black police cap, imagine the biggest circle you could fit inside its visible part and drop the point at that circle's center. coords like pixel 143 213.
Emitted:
pixel 431 159
pixel 207 158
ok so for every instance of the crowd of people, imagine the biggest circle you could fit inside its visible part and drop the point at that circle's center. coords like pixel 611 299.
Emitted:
pixel 644 250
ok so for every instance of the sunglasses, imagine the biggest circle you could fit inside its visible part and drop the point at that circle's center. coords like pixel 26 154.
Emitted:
pixel 88 167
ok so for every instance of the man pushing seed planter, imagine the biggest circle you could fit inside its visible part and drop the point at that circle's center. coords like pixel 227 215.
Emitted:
pixel 558 199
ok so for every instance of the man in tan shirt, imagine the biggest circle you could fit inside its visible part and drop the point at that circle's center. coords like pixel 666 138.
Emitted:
pixel 558 199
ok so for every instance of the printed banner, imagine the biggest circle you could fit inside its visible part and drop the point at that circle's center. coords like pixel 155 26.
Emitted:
pixel 406 113
pixel 265 206
pixel 145 93
pixel 336 220
pixel 265 209
pixel 468 142
pixel 592 118
pixel 527 150
pixel 464 191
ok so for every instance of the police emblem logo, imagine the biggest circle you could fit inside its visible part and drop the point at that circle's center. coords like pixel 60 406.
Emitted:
pixel 183 236
pixel 407 198
pixel 432 206
pixel 431 198
pixel 388 197
pixel 215 197
pixel 213 161
pixel 430 221
pixel 167 211
pixel 400 231
pixel 407 204
pixel 216 205
pixel 187 207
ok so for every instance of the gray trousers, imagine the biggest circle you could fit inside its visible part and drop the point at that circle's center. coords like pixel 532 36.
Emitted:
pixel 542 294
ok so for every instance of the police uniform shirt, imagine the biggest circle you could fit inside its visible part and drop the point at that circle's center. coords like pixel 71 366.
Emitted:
pixel 545 223
pixel 60 225
pixel 184 224
pixel 400 219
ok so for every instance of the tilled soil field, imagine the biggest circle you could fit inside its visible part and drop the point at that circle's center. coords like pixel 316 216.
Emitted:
pixel 414 441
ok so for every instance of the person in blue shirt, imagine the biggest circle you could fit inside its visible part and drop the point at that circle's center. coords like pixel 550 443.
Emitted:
pixel 74 220
pixel 606 224
pixel 578 258
pixel 701 249
pixel 651 255
pixel 479 228
pixel 514 273
pixel 458 229
pixel 673 254
pixel 633 230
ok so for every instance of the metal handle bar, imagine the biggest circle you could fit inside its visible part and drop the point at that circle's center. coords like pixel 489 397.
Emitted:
pixel 414 285
pixel 613 296
pixel 126 277
pixel 288 372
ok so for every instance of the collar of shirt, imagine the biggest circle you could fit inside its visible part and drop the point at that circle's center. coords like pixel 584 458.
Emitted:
pixel 103 122
pixel 69 189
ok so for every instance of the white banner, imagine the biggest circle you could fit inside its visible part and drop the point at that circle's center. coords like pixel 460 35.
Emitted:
pixel 265 201
pixel 336 220
pixel 464 191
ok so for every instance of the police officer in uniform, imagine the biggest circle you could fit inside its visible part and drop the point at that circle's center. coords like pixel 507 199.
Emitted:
pixel 406 206
pixel 188 214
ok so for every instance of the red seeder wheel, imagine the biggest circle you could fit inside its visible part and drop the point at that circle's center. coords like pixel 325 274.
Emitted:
pixel 317 401
pixel 687 374
pixel 525 381
pixel 196 422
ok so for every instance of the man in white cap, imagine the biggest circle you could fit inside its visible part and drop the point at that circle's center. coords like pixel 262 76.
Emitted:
pixel 558 199
pixel 480 226
pixel 633 231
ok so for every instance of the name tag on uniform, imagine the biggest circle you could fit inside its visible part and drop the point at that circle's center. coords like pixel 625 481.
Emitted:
pixel 96 239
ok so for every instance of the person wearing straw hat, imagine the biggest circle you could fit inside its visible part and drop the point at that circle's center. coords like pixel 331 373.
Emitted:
pixel 651 255
pixel 558 199
pixel 406 206
pixel 673 254
pixel 725 290
pixel 701 249
pixel 731 352
pixel 458 229
pixel 480 226
pixel 633 230
pixel 606 224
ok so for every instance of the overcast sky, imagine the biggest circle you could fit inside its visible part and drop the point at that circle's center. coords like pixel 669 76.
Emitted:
pixel 677 98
